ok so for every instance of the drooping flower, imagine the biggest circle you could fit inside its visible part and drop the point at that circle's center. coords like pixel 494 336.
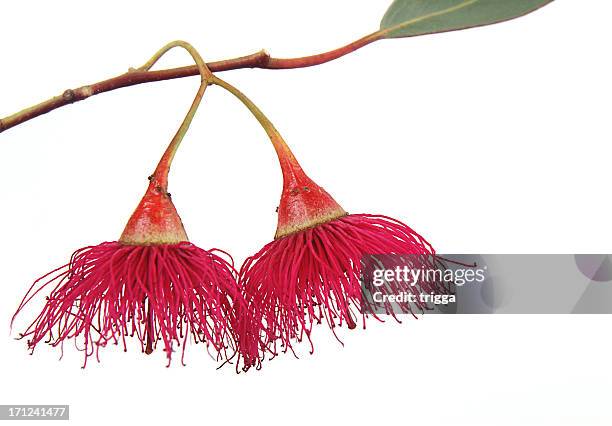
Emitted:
pixel 151 284
pixel 310 273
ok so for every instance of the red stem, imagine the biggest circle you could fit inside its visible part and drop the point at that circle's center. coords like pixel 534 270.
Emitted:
pixel 257 60
pixel 321 58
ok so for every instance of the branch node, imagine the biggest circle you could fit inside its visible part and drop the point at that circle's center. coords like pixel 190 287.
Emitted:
pixel 1 126
pixel 264 58
pixel 69 96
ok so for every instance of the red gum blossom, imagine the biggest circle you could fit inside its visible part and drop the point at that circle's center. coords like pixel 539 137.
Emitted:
pixel 152 284
pixel 311 272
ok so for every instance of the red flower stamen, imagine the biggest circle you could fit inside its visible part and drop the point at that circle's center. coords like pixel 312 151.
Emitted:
pixel 314 276
pixel 162 293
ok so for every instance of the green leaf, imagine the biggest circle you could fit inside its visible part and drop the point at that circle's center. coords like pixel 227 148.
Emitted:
pixel 406 18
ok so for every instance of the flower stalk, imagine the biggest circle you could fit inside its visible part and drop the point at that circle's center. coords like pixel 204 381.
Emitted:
pixel 155 220
pixel 303 204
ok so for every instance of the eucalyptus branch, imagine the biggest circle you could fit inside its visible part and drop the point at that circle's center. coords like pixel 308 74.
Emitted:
pixel 404 18
pixel 141 75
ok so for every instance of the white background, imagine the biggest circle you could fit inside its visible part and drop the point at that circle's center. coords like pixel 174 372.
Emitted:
pixel 492 140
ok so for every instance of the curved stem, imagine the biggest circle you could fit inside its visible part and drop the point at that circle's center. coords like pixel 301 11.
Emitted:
pixel 285 156
pixel 203 70
pixel 259 59
pixel 303 203
pixel 155 220
pixel 206 78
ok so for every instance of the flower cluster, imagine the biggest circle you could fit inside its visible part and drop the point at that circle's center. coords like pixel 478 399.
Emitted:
pixel 155 285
